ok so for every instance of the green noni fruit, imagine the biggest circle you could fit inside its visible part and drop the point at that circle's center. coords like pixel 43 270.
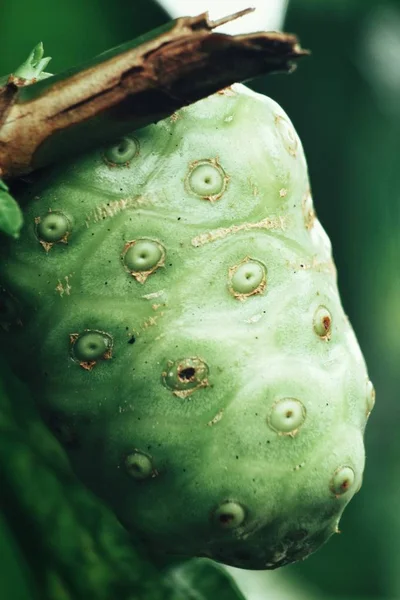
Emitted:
pixel 172 303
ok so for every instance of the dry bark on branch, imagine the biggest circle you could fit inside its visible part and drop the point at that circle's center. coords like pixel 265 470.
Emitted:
pixel 129 87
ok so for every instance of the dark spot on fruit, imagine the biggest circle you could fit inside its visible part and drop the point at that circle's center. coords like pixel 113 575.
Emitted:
pixel 187 374
pixel 342 480
pixel 132 340
pixel 323 323
pixel 225 518
pixel 229 515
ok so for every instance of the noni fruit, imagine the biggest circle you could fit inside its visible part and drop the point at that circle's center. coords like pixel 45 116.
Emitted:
pixel 172 303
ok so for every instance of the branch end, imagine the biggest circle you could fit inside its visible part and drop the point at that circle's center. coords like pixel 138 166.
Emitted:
pixel 229 18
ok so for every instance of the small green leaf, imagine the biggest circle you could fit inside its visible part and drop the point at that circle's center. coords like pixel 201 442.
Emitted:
pixel 34 65
pixel 32 69
pixel 11 219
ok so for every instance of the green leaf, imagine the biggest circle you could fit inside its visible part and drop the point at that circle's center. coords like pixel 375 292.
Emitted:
pixel 14 576
pixel 11 219
pixel 202 579
pixel 33 67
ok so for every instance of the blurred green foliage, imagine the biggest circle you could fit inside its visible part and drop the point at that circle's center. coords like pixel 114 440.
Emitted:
pixel 71 30
pixel 16 584
pixel 344 102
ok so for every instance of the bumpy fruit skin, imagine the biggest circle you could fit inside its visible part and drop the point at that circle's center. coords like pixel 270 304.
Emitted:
pixel 179 323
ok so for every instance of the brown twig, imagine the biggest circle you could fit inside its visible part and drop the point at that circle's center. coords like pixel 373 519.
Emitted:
pixel 130 87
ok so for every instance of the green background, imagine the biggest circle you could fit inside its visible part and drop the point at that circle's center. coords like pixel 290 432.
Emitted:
pixel 344 102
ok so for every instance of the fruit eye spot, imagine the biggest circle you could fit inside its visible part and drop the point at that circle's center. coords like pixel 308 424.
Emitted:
pixel 286 416
pixel 247 278
pixel 139 465
pixel 206 179
pixel 142 257
pixel 121 153
pixel 90 346
pixel 52 228
pixel 185 376
pixel 342 480
pixel 229 515
pixel 323 323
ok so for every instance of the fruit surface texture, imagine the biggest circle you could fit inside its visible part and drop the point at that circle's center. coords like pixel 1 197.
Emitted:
pixel 172 303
